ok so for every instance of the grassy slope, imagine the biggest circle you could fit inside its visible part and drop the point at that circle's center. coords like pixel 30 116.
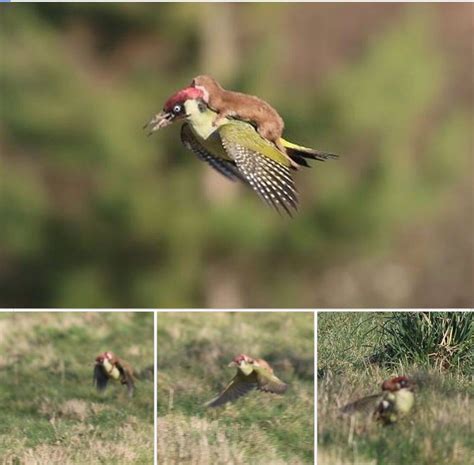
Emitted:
pixel 438 432
pixel 193 353
pixel 49 409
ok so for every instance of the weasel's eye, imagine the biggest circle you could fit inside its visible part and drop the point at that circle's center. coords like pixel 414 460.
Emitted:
pixel 201 107
pixel 177 109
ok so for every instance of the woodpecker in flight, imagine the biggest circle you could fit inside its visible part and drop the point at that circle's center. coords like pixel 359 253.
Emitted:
pixel 395 401
pixel 243 143
pixel 110 367
pixel 251 374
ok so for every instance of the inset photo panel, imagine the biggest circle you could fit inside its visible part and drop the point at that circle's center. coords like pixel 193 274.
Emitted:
pixel 76 388
pixel 235 388
pixel 395 388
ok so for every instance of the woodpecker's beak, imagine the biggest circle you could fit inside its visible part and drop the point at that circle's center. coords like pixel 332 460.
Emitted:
pixel 160 120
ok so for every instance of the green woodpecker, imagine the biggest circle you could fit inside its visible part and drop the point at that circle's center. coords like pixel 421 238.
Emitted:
pixel 110 367
pixel 395 401
pixel 235 148
pixel 251 374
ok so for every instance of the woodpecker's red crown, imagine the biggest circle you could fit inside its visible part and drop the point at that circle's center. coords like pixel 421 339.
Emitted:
pixel 396 383
pixel 106 355
pixel 189 93
pixel 238 359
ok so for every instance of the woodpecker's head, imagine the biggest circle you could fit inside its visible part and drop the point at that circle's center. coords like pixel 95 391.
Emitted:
pixel 174 109
pixel 243 362
pixel 397 383
pixel 100 359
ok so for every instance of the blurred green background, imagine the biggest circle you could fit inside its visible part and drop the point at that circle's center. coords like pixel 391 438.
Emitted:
pixel 93 213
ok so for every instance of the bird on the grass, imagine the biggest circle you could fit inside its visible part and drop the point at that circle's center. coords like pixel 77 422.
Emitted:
pixel 110 367
pixel 395 401
pixel 235 146
pixel 251 374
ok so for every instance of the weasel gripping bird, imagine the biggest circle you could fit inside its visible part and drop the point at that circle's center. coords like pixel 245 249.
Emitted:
pixel 109 367
pixel 395 401
pixel 240 136
pixel 251 374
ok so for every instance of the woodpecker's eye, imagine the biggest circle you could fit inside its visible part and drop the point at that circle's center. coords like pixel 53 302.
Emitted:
pixel 201 106
pixel 177 109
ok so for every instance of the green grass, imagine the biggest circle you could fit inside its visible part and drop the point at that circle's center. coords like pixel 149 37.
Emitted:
pixel 51 414
pixel 436 339
pixel 194 350
pixel 438 431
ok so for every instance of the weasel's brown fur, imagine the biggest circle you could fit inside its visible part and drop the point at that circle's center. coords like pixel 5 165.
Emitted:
pixel 246 107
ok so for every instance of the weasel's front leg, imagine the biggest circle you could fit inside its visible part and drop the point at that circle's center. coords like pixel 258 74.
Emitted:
pixel 220 118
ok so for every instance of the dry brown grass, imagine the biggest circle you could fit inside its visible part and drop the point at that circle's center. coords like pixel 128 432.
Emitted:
pixel 196 441
pixel 81 447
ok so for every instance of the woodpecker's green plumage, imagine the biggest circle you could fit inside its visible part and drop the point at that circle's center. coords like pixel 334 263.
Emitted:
pixel 395 401
pixel 236 150
pixel 251 374
pixel 236 147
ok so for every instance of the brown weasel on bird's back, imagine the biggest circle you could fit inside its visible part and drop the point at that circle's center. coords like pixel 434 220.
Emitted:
pixel 246 107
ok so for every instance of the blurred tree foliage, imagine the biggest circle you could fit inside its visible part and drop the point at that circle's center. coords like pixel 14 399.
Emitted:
pixel 93 213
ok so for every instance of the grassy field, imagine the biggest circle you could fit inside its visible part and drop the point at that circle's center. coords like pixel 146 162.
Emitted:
pixel 50 412
pixel 194 350
pixel 440 429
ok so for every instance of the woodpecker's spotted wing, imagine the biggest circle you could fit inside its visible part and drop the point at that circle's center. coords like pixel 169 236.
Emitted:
pixel 223 166
pixel 239 386
pixel 264 167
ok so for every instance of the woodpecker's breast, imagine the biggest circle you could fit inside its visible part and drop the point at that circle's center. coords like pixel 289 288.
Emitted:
pixel 112 370
pixel 404 400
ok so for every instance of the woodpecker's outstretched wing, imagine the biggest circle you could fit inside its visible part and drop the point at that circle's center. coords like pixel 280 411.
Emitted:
pixel 366 405
pixel 239 386
pixel 264 167
pixel 99 379
pixel 223 166
pixel 268 382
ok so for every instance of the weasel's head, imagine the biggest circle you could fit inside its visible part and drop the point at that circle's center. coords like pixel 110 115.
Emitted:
pixel 207 85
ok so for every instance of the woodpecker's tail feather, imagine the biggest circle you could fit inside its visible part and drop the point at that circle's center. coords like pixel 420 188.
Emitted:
pixel 298 153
